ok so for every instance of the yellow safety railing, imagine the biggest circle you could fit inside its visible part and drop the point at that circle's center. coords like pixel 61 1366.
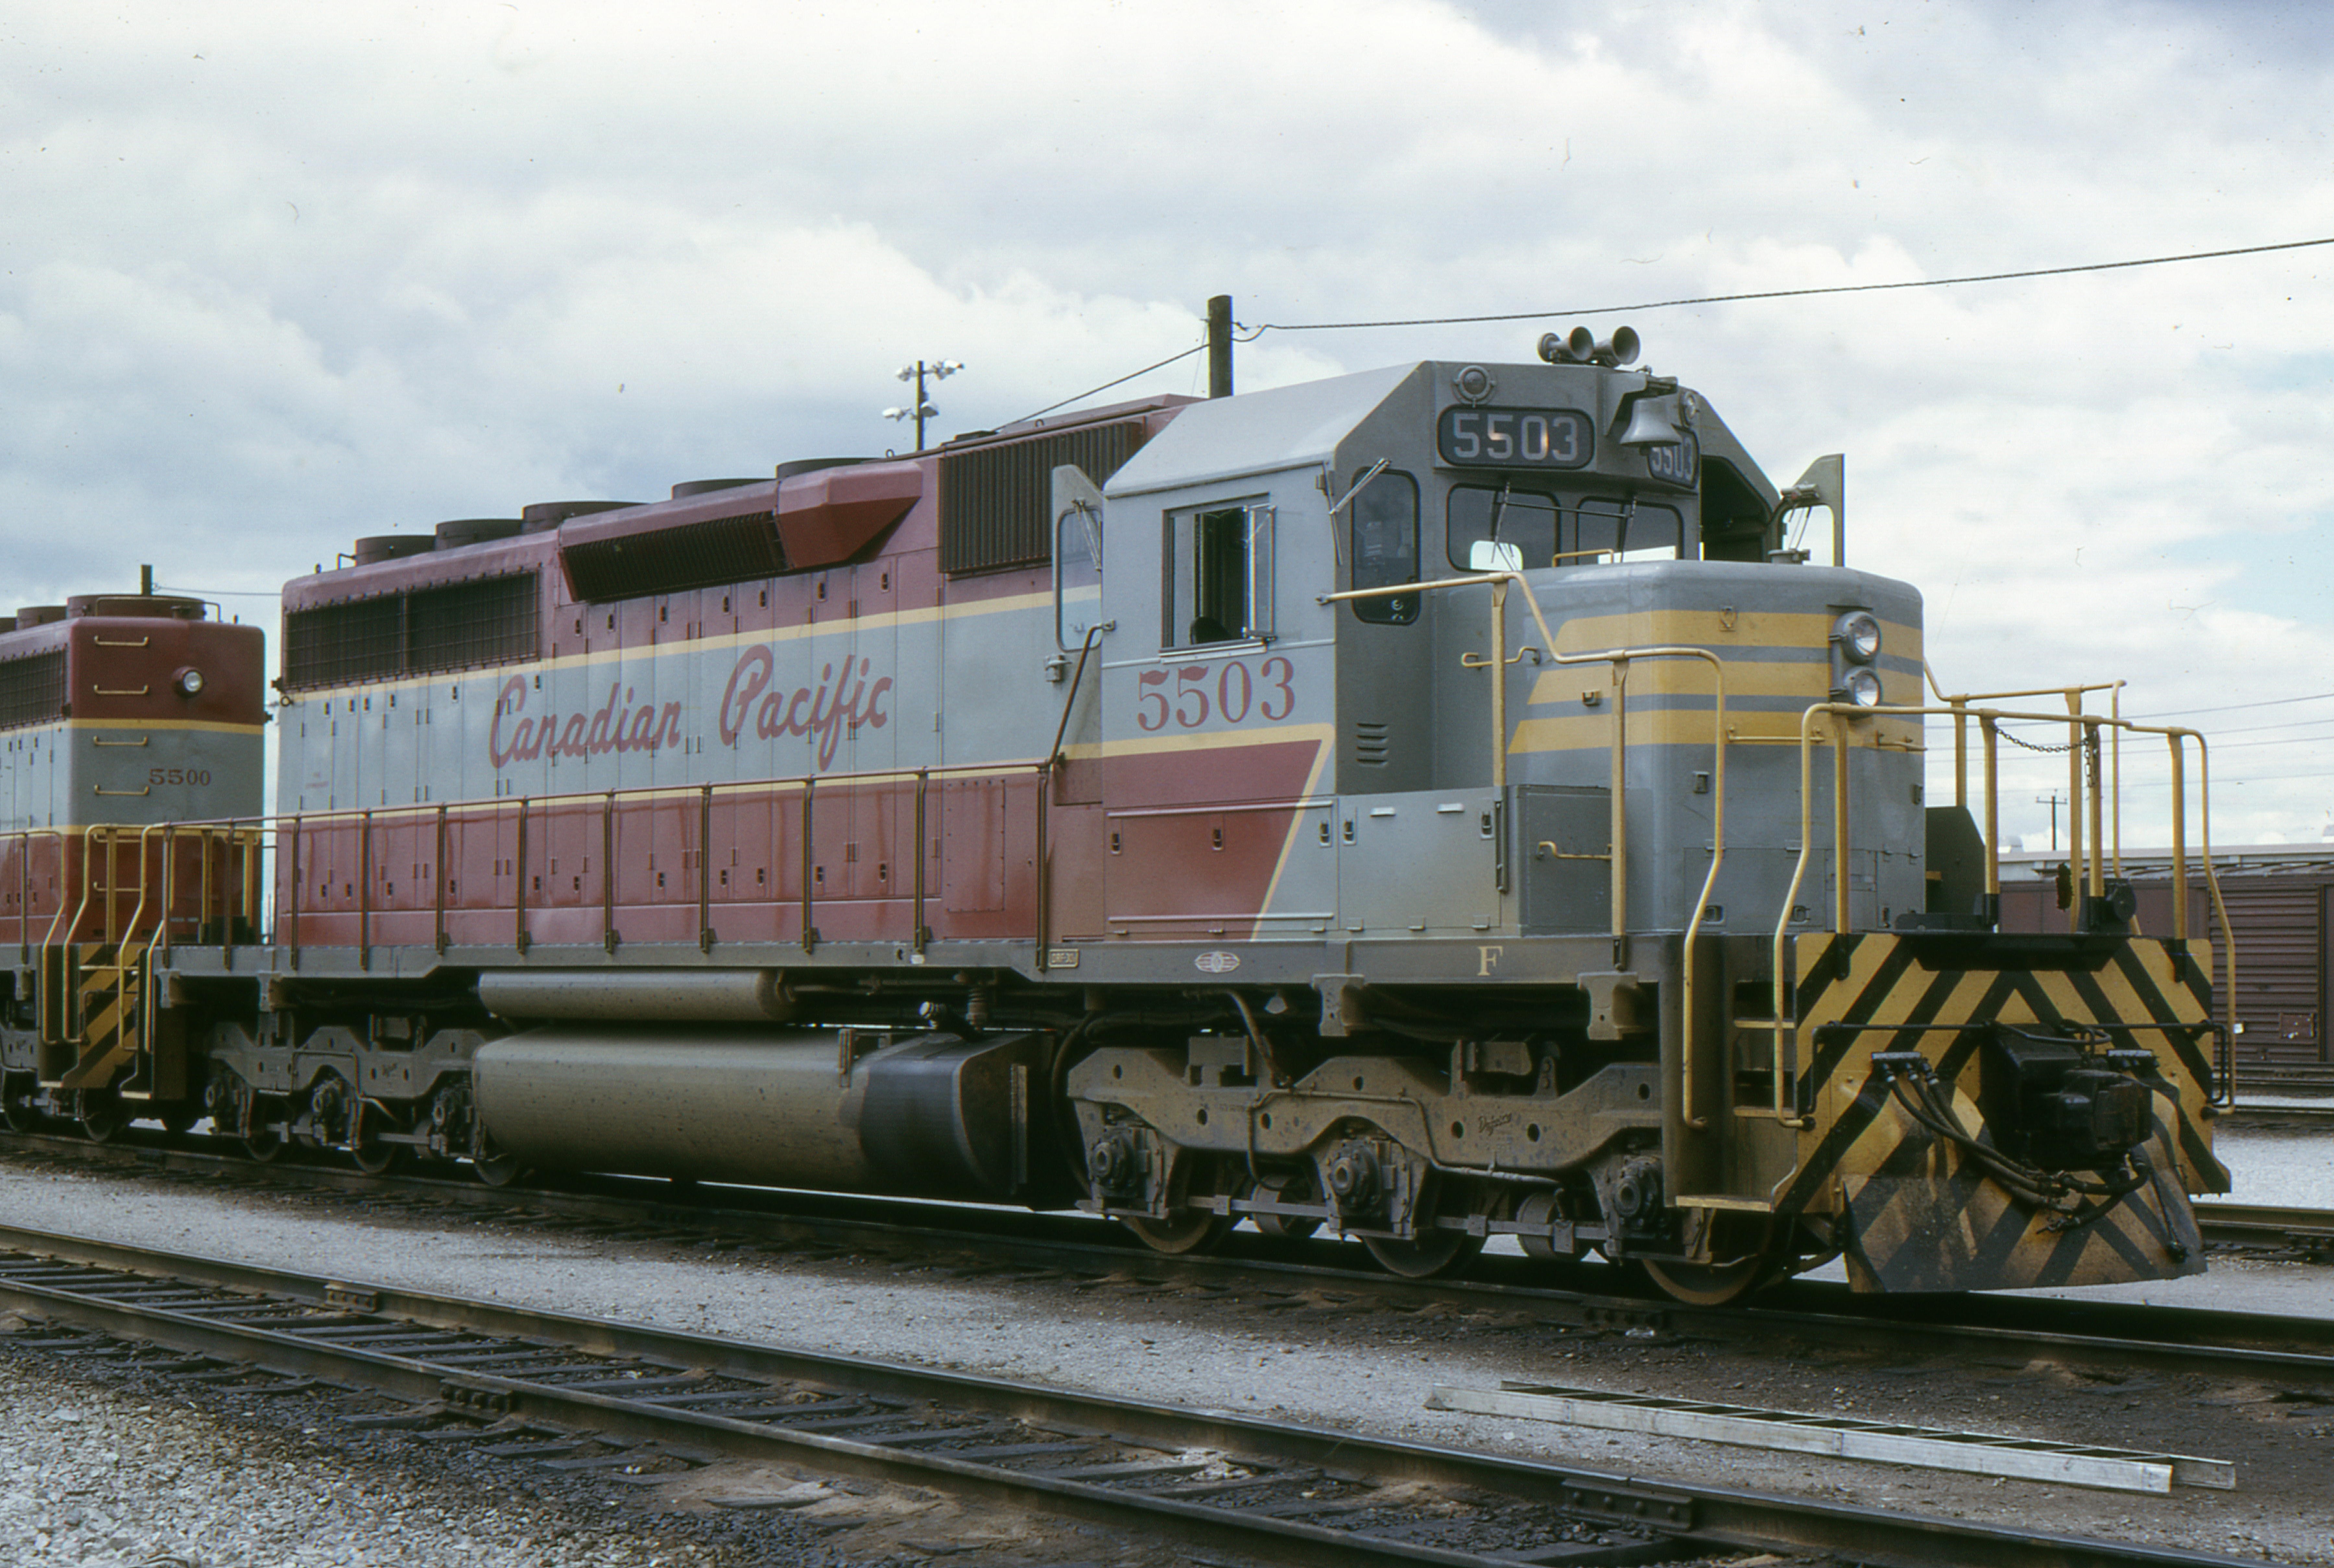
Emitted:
pixel 2085 731
pixel 521 811
pixel 103 886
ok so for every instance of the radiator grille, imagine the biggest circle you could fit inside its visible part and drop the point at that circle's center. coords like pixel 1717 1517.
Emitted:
pixel 456 626
pixel 340 644
pixel 462 625
pixel 691 555
pixel 32 689
pixel 993 499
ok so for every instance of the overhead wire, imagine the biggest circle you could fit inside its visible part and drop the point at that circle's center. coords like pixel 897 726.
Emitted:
pixel 1800 293
pixel 1196 347
pixel 2234 707
pixel 1245 333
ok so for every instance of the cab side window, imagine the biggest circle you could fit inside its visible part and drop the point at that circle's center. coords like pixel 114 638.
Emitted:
pixel 1385 536
pixel 1218 585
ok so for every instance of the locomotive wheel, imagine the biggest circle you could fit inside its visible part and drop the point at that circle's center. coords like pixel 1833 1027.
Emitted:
pixel 19 1104
pixel 180 1119
pixel 1715 1284
pixel 1297 1188
pixel 1428 1255
pixel 372 1156
pixel 102 1115
pixel 491 1165
pixel 264 1142
pixel 1185 1230
pixel 498 1169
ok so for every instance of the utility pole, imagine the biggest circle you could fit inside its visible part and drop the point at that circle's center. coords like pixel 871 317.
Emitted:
pixel 938 371
pixel 2054 802
pixel 1219 346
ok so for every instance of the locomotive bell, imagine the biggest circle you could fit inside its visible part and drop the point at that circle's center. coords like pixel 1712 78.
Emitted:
pixel 1650 424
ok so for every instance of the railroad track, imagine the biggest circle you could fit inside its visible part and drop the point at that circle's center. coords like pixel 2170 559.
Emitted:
pixel 1261 1276
pixel 2289 1082
pixel 2309 1231
pixel 2315 1113
pixel 652 1406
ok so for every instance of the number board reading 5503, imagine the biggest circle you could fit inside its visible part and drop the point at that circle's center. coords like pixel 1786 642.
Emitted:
pixel 1515 438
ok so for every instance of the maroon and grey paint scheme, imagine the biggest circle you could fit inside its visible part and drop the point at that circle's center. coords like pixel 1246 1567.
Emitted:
pixel 1372 803
pixel 803 725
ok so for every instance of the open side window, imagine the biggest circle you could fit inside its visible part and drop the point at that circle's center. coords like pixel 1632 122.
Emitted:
pixel 1218 582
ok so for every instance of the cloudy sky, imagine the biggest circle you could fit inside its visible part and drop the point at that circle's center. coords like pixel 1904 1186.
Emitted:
pixel 273 275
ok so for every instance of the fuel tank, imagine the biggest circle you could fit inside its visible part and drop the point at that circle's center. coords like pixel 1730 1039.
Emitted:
pixel 670 996
pixel 932 1115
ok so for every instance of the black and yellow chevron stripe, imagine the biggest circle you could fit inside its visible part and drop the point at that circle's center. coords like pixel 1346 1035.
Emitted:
pixel 109 1036
pixel 1913 1213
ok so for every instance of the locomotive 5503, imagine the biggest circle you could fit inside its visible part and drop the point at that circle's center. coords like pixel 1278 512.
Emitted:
pixel 1429 805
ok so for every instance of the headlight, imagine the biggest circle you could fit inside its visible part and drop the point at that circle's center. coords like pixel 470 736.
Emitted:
pixel 1863 688
pixel 1858 632
pixel 189 681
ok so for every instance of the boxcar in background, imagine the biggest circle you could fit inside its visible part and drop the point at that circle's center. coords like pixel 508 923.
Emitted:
pixel 2278 897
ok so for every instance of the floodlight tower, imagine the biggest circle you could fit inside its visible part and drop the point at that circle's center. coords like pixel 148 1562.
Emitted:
pixel 938 371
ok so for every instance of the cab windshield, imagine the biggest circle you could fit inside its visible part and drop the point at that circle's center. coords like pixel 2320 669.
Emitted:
pixel 1511 527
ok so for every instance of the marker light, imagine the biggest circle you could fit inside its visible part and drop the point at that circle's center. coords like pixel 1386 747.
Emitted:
pixel 189 681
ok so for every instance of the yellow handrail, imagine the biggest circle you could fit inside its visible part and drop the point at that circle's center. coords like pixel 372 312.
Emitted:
pixel 2084 729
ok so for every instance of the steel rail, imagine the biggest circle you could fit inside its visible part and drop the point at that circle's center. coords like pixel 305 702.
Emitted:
pixel 433 1350
pixel 2255 1114
pixel 2112 1336
pixel 2256 1225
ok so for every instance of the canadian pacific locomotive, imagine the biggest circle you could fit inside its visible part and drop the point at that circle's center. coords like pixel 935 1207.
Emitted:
pixel 1429 805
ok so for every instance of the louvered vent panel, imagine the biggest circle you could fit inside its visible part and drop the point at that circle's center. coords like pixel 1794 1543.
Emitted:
pixel 463 625
pixel 457 626
pixel 691 555
pixel 31 689
pixel 1369 744
pixel 341 644
pixel 993 499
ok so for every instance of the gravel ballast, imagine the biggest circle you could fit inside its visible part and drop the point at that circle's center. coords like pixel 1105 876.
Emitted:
pixel 98 1476
pixel 1361 1369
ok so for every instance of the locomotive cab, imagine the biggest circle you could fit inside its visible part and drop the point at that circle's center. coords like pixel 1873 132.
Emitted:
pixel 130 775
